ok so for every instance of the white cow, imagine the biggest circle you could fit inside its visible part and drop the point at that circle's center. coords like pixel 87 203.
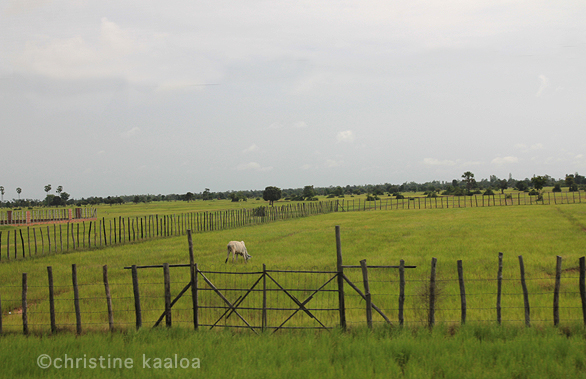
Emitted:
pixel 237 248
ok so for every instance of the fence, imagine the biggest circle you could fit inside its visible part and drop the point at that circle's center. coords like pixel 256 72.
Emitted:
pixel 273 300
pixel 474 201
pixel 100 233
pixel 43 216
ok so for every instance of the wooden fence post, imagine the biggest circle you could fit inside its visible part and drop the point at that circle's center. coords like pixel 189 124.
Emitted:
pixel 556 291
pixel 525 293
pixel 431 318
pixel 462 291
pixel 341 302
pixel 24 304
pixel 264 297
pixel 108 298
pixel 401 291
pixel 136 297
pixel 76 298
pixel 193 273
pixel 51 300
pixel 367 293
pixel 167 279
pixel 499 289
pixel 582 285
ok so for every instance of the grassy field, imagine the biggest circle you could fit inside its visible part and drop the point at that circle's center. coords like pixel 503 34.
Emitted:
pixel 475 235
pixel 468 352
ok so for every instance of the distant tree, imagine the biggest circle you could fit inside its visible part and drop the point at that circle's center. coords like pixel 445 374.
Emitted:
pixel 2 192
pixel 136 199
pixel 59 190
pixel 557 188
pixel 522 186
pixel 571 183
pixel 308 192
pixel 271 194
pixel 18 191
pixel 64 196
pixel 503 185
pixel 538 182
pixel 47 188
pixel 206 194
pixel 469 180
pixel 189 196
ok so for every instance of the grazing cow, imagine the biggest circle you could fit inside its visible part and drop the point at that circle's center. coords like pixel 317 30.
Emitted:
pixel 237 248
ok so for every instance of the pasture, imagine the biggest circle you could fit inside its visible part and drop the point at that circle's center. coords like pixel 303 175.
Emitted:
pixel 474 235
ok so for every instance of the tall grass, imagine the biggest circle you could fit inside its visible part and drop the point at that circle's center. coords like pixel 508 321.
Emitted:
pixel 473 351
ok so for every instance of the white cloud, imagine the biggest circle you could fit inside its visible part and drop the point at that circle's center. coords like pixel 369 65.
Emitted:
pixel 131 132
pixel 332 163
pixel 537 146
pixel 437 162
pixel 500 161
pixel 346 136
pixel 543 84
pixel 525 149
pixel 300 124
pixel 250 148
pixel 252 166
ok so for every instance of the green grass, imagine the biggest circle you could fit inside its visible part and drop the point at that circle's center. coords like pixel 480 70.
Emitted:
pixel 474 235
pixel 479 349
pixel 473 351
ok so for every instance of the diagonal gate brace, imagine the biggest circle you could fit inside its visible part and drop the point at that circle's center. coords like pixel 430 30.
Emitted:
pixel 302 305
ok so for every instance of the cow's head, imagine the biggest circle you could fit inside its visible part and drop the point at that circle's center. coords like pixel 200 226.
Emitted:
pixel 246 255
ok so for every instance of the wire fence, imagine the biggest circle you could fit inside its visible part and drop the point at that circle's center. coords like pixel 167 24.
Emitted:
pixel 261 299
pixel 86 231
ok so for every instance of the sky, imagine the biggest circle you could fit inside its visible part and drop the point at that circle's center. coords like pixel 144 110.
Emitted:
pixel 109 98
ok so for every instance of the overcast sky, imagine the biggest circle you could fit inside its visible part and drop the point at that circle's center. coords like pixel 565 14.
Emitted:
pixel 135 97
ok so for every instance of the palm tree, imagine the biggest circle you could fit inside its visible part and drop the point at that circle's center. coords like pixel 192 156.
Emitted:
pixel 18 191
pixel 469 180
pixel 47 188
pixel 59 190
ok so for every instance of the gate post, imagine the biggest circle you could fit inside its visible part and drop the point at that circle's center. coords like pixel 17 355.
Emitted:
pixel 341 303
pixel 367 293
pixel 193 271
pixel 264 297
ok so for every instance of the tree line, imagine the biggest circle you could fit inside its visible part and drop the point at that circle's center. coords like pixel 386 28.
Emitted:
pixel 465 185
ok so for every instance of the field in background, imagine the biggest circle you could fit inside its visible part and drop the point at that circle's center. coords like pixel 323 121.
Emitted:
pixel 475 235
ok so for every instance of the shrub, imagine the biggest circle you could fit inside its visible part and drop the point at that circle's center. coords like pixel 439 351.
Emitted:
pixel 488 192
pixel 533 192
pixel 557 188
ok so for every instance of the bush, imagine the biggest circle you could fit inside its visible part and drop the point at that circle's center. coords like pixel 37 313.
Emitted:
pixel 488 192
pixel 557 188
pixel 533 192
pixel 259 212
